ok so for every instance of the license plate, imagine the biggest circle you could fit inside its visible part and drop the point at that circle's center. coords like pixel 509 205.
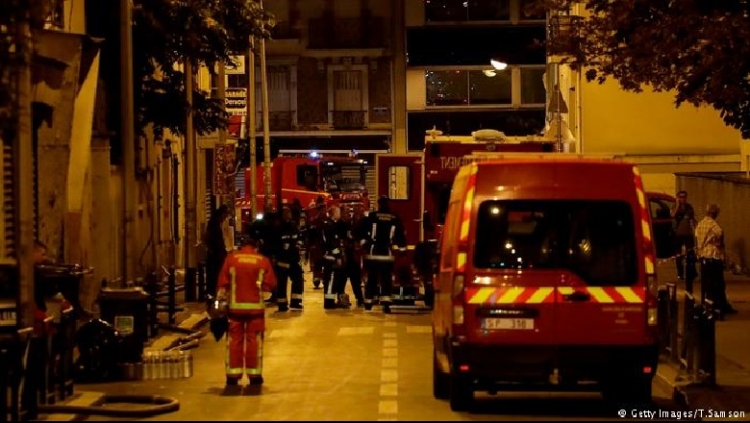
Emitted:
pixel 508 324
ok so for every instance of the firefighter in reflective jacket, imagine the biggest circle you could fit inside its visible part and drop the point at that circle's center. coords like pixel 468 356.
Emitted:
pixel 315 244
pixel 382 233
pixel 246 274
pixel 288 263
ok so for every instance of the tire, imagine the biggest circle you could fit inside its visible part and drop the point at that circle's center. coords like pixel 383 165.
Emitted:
pixel 440 381
pixel 461 393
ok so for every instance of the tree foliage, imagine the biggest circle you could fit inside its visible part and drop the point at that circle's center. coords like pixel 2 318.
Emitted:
pixel 169 32
pixel 698 49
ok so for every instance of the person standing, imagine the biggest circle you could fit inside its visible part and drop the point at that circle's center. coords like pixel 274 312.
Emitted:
pixel 246 274
pixel 315 244
pixel 288 266
pixel 382 233
pixel 710 245
pixel 334 267
pixel 216 248
pixel 683 222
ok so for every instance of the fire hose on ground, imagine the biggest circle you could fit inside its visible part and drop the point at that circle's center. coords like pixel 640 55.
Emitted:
pixel 155 405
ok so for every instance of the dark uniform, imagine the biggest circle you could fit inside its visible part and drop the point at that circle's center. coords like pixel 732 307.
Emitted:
pixel 287 264
pixel 315 245
pixel 353 254
pixel 332 236
pixel 381 232
pixel 267 230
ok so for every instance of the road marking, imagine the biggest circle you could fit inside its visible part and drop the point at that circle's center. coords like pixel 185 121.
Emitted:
pixel 390 324
pixel 389 362
pixel 389 334
pixel 390 343
pixel 389 389
pixel 363 330
pixel 285 333
pixel 390 352
pixel 419 329
pixel 388 375
pixel 388 407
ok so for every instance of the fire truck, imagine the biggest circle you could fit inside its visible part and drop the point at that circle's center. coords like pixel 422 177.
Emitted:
pixel 337 180
pixel 419 187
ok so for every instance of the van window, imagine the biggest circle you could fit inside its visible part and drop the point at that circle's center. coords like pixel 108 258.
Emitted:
pixel 593 239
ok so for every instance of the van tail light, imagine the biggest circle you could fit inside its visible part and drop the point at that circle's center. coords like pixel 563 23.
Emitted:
pixel 649 256
pixel 652 303
pixel 458 304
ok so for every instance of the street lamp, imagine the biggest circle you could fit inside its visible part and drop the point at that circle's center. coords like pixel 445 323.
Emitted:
pixel 498 65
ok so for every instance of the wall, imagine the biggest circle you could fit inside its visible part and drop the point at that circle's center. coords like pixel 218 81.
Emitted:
pixel 648 123
pixel 312 94
pixel 731 191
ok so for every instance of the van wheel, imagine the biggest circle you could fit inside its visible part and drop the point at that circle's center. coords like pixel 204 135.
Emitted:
pixel 429 295
pixel 440 381
pixel 628 391
pixel 461 393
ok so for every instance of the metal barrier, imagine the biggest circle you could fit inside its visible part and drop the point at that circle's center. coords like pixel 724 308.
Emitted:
pixel 688 334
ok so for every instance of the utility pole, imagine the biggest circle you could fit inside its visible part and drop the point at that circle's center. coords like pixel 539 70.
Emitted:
pixel 127 140
pixel 191 180
pixel 266 129
pixel 250 125
pixel 24 174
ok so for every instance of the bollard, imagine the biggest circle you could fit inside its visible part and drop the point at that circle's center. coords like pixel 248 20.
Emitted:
pixel 201 282
pixel 190 276
pixel 662 315
pixel 152 288
pixel 707 343
pixel 172 296
pixel 687 349
pixel 673 322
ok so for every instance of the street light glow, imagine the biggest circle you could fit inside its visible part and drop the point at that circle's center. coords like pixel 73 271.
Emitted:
pixel 498 64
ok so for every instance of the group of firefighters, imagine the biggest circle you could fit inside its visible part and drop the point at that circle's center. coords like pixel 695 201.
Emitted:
pixel 338 245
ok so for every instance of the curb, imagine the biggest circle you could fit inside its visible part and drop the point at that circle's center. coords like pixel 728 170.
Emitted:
pixel 666 383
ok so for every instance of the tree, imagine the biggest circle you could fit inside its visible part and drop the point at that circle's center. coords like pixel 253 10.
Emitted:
pixel 696 48
pixel 167 32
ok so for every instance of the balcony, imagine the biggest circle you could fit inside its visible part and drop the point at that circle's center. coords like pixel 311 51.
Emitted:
pixel 348 119
pixel 277 121
pixel 284 31
pixel 327 33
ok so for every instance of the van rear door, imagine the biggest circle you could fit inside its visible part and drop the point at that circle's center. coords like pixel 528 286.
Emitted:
pixel 508 300
pixel 601 298
pixel 557 271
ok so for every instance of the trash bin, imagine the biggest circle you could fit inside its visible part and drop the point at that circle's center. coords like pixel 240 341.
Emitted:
pixel 127 311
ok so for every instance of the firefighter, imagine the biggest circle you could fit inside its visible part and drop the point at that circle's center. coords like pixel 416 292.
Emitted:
pixel 382 232
pixel 334 265
pixel 246 274
pixel 353 256
pixel 287 263
pixel 269 240
pixel 315 244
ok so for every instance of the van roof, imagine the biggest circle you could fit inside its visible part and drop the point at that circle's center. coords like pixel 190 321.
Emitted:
pixel 568 161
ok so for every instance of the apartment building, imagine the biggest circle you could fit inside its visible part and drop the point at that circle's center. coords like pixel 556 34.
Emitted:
pixel 450 82
pixel 329 73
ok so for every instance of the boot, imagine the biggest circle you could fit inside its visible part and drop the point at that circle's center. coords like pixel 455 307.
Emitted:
pixel 296 305
pixel 343 301
pixel 283 306
pixel 256 380
pixel 233 381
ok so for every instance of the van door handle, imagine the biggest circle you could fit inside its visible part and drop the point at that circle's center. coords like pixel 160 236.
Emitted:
pixel 577 296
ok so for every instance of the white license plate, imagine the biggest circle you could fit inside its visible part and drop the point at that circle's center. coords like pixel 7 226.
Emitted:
pixel 508 324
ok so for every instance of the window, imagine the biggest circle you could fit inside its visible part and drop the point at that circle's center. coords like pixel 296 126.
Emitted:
pixel 462 10
pixel 489 88
pixel 530 11
pixel 307 176
pixel 532 86
pixel 595 240
pixel 398 182
pixel 467 87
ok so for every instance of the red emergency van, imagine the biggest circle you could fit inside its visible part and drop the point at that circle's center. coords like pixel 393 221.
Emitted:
pixel 546 280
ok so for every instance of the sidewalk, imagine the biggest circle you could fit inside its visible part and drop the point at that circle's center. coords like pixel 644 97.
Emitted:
pixel 732 350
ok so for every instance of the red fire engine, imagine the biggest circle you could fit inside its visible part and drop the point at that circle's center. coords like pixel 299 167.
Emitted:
pixel 338 180
pixel 419 187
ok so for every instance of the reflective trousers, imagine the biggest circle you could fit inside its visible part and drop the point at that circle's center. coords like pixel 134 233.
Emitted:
pixel 334 278
pixel 379 274
pixel 245 346
pixel 284 274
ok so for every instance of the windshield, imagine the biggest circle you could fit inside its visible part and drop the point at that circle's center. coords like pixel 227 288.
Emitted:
pixel 593 239
pixel 343 178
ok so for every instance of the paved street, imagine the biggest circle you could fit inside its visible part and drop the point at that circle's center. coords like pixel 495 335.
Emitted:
pixel 349 365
